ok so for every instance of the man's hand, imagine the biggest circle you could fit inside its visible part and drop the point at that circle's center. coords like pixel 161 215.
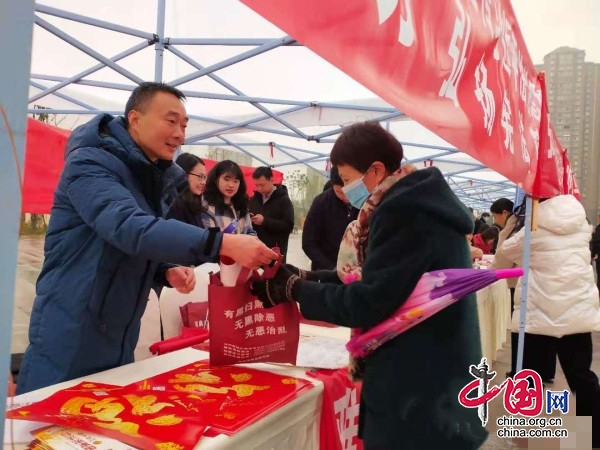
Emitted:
pixel 257 219
pixel 183 279
pixel 247 251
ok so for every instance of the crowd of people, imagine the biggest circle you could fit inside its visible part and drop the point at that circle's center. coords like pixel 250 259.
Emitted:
pixel 127 219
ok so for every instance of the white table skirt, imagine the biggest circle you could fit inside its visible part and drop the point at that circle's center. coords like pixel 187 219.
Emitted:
pixel 293 426
pixel 493 307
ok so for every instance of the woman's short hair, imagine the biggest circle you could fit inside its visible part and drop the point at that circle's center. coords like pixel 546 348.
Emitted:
pixel 363 143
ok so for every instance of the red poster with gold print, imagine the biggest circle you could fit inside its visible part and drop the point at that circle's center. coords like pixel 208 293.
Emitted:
pixel 245 395
pixel 160 420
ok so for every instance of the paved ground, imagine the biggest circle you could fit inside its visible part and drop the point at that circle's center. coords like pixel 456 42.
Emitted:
pixel 31 257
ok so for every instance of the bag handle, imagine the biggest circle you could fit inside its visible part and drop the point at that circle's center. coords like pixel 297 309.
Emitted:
pixel 268 271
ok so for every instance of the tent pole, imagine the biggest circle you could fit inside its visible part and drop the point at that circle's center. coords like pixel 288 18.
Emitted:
pixel 159 46
pixel 529 226
pixel 16 28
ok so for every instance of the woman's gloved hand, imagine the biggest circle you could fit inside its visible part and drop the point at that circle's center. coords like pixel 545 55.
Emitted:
pixel 319 276
pixel 279 289
pixel 304 274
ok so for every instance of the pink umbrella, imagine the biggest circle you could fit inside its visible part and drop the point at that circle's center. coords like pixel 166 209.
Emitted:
pixel 435 291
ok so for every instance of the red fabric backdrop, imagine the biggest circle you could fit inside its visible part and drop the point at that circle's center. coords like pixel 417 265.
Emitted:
pixel 44 160
pixel 44 150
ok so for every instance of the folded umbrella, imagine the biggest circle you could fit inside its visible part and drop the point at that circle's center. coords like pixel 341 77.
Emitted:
pixel 435 291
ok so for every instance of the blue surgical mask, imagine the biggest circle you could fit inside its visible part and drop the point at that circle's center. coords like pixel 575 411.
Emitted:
pixel 357 192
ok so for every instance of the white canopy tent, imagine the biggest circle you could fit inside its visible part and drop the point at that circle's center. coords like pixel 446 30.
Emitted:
pixel 86 61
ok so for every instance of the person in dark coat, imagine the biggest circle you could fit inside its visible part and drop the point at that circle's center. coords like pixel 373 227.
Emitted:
pixel 501 210
pixel 595 250
pixel 413 223
pixel 187 207
pixel 325 224
pixel 271 210
pixel 108 243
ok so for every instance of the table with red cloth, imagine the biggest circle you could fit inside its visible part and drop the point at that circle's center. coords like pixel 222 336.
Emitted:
pixel 318 418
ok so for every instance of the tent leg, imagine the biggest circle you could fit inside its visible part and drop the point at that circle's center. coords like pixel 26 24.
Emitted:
pixel 16 28
pixel 524 283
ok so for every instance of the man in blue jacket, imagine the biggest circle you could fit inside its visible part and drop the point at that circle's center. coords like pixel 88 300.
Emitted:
pixel 108 243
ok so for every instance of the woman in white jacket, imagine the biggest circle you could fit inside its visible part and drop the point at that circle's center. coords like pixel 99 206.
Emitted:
pixel 563 298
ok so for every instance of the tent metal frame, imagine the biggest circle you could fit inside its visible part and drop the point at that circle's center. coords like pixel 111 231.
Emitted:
pixel 17 18
pixel 478 196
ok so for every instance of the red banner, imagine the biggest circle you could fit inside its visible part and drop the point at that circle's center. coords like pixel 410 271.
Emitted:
pixel 460 68
pixel 44 159
pixel 339 415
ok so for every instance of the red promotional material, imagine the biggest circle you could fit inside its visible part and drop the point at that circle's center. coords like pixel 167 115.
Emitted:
pixel 460 68
pixel 553 161
pixel 194 314
pixel 161 419
pixel 243 395
pixel 188 338
pixel 339 416
pixel 242 330
pixel 44 159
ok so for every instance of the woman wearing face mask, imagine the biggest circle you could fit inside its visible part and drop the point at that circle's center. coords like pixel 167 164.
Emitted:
pixel 188 205
pixel 408 224
pixel 226 201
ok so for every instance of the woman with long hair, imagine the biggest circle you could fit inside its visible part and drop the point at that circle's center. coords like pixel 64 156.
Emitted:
pixel 188 205
pixel 225 199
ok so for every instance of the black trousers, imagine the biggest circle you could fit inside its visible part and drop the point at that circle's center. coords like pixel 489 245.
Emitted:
pixel 575 355
pixel 539 354
pixel 512 300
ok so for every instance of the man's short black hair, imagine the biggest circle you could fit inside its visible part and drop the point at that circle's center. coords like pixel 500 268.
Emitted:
pixel 141 95
pixel 334 177
pixel 502 204
pixel 263 171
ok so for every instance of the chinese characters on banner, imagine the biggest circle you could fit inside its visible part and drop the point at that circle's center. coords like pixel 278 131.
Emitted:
pixel 460 68
pixel 241 330
pixel 339 416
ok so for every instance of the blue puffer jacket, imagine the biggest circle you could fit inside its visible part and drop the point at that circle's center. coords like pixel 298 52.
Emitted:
pixel 107 245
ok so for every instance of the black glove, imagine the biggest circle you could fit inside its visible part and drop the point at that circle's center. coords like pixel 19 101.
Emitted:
pixel 320 276
pixel 276 290
pixel 304 274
